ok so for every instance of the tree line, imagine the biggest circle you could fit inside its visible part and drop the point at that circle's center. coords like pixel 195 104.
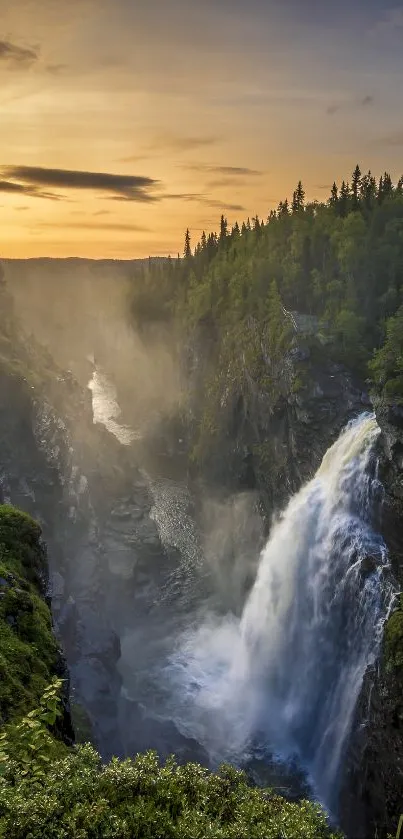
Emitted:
pixel 340 260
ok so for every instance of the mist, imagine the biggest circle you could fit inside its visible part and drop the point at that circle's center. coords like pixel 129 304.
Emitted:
pixel 80 311
pixel 202 559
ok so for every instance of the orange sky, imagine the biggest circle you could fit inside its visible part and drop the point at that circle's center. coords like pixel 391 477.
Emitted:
pixel 204 107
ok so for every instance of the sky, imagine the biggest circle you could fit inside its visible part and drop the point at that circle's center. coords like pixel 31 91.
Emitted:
pixel 122 122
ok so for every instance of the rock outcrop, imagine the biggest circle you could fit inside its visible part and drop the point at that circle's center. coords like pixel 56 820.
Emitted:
pixel 372 793
pixel 93 506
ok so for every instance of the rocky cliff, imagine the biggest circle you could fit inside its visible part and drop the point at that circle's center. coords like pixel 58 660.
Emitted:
pixel 276 445
pixel 93 506
pixel 372 794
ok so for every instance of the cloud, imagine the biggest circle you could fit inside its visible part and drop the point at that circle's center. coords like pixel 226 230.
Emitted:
pixel 134 158
pixel 102 213
pixel 8 186
pixel 223 205
pixel 240 171
pixel 393 140
pixel 92 225
pixel 22 189
pixel 20 209
pixel 351 104
pixel 177 143
pixel 55 69
pixel 199 198
pixel 224 182
pixel 15 56
pixel 122 187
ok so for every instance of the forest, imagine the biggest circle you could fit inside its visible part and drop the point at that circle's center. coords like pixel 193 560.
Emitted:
pixel 339 263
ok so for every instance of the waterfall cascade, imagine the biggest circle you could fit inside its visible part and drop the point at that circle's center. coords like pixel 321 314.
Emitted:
pixel 286 675
pixel 289 672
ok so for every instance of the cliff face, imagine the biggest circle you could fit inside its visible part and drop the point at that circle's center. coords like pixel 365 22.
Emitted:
pixel 29 654
pixel 93 506
pixel 275 449
pixel 272 438
pixel 372 794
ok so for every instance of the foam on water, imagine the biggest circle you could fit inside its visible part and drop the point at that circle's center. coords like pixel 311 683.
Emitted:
pixel 289 671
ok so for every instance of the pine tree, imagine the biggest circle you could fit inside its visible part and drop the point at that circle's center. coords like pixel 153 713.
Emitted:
pixel 399 187
pixel 334 195
pixel 368 190
pixel 283 208
pixel 187 252
pixel 235 231
pixel 243 229
pixel 203 241
pixel 344 199
pixel 256 225
pixel 355 185
pixel 298 199
pixel 387 185
pixel 223 230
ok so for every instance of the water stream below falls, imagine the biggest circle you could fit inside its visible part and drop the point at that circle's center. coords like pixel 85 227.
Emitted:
pixel 282 677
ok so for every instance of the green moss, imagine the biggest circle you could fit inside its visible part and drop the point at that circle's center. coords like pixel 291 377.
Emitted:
pixel 394 639
pixel 28 649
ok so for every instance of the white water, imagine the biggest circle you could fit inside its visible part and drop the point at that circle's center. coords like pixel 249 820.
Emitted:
pixel 289 672
pixel 106 409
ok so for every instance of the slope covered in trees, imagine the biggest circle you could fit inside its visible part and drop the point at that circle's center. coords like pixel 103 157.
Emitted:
pixel 340 261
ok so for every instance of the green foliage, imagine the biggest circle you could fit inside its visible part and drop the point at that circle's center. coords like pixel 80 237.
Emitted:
pixel 341 261
pixel 394 639
pixel 387 364
pixel 28 649
pixel 81 723
pixel 48 795
pixel 27 747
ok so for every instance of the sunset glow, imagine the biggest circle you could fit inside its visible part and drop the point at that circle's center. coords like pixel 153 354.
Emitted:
pixel 204 108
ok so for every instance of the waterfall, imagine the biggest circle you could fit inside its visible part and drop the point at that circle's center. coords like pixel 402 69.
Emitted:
pixel 106 409
pixel 288 672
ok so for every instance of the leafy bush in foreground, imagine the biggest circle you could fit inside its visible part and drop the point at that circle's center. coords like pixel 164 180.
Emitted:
pixel 74 796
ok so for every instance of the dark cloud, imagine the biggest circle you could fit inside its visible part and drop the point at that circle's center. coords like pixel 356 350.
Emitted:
pixel 22 189
pixel 168 142
pixel 16 56
pixel 362 102
pixel 8 186
pixel 122 187
pixel 93 225
pixel 185 196
pixel 240 171
pixel 199 198
pixel 56 69
pixel 223 205
pixel 224 182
